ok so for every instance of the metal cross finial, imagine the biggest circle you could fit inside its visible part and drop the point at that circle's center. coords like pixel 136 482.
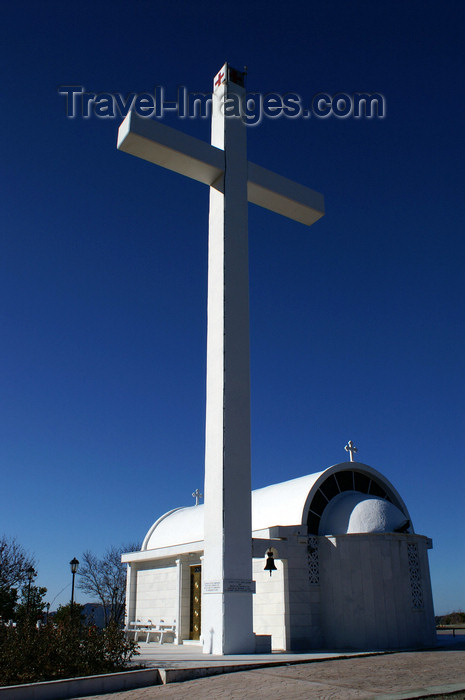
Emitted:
pixel 350 447
pixel 197 495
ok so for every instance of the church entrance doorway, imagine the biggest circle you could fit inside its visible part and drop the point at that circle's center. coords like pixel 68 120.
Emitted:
pixel 196 602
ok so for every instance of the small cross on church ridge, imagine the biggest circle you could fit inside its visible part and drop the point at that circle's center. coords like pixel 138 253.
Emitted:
pixel 197 495
pixel 350 447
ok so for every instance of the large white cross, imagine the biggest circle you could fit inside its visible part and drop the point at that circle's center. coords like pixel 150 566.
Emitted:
pixel 227 625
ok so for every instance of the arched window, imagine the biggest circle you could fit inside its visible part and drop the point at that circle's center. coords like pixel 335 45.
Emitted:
pixel 336 483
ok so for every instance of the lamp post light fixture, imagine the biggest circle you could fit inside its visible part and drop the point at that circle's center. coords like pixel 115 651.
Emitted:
pixel 30 573
pixel 74 563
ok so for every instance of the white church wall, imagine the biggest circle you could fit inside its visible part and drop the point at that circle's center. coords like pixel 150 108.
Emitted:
pixel 269 605
pixel 367 585
pixel 157 591
pixel 424 603
pixel 302 603
pixel 286 604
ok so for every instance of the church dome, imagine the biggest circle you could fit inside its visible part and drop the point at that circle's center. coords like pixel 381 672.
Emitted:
pixel 353 512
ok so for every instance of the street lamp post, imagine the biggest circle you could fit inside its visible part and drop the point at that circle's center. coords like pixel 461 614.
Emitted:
pixel 30 573
pixel 74 567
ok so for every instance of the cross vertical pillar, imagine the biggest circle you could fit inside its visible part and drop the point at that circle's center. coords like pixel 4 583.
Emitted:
pixel 227 615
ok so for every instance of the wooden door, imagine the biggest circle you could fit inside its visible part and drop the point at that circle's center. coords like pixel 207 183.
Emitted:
pixel 196 602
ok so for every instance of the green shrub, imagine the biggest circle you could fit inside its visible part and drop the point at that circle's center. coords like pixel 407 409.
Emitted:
pixel 29 655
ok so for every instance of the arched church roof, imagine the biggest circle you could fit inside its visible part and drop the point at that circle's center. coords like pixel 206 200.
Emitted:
pixel 301 501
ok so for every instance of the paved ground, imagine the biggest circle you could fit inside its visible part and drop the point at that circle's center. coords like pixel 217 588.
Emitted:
pixel 182 656
pixel 399 675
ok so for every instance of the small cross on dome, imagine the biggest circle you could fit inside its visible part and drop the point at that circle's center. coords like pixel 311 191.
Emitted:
pixel 350 447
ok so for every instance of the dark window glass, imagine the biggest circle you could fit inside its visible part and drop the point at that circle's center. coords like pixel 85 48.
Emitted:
pixel 313 523
pixel 345 480
pixel 319 503
pixel 330 488
pixel 376 490
pixel 362 482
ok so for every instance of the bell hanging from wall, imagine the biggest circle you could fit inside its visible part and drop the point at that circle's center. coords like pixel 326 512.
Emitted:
pixel 269 566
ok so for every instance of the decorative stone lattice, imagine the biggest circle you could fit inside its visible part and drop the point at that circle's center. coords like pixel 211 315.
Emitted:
pixel 313 563
pixel 415 576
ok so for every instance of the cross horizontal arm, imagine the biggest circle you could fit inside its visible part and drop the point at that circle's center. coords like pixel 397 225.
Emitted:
pixel 283 196
pixel 172 149
pixel 184 154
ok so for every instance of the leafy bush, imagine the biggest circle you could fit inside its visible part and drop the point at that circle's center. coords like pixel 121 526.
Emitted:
pixel 29 655
pixel 69 614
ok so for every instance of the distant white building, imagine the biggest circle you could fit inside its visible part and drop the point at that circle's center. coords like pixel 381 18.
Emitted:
pixel 350 571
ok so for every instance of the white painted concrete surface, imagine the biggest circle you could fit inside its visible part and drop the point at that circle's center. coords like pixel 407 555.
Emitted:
pixel 227 625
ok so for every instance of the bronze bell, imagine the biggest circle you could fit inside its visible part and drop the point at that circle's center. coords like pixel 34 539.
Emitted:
pixel 269 566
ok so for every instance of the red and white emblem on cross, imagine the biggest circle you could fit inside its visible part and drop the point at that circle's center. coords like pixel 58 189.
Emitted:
pixel 219 79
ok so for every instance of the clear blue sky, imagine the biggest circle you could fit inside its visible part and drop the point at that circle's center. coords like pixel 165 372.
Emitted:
pixel 357 324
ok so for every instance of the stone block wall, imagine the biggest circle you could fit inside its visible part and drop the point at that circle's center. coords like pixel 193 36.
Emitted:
pixel 375 592
pixel 157 592
pixel 269 605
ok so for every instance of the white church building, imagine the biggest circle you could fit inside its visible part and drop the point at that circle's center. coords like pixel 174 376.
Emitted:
pixel 351 573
